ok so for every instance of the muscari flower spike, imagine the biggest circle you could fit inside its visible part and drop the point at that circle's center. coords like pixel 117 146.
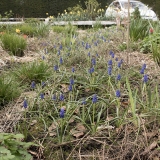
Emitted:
pixel 71 81
pixel 54 97
pixel 91 70
pixel 109 70
pixel 110 62
pixel 60 60
pixel 55 68
pixel 61 97
pixel 62 112
pixel 25 104
pixel 43 84
pixel 116 59
pixel 93 61
pixel 70 88
pixel 145 78
pixel 33 84
pixel 118 77
pixel 118 93
pixel 84 102
pixel 73 69
pixel 42 95
pixel 94 98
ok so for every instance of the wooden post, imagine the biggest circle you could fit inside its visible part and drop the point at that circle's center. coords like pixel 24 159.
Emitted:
pixel 128 25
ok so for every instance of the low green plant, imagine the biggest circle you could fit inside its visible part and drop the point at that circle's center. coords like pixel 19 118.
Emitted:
pixel 138 29
pixel 97 25
pixel 33 71
pixel 41 29
pixel 28 29
pixel 12 148
pixel 8 90
pixel 14 43
pixel 32 21
pixel 155 48
pixel 58 29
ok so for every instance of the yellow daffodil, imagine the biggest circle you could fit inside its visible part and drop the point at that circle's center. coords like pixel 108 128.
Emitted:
pixel 46 13
pixel 106 6
pixel 62 14
pixel 58 13
pixel 18 31
pixel 70 12
pixel 94 9
pixel 51 17
pixel 102 10
pixel 64 10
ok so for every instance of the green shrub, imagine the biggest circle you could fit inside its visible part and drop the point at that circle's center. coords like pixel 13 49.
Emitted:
pixel 28 30
pixel 138 29
pixel 33 71
pixel 155 48
pixel 58 29
pixel 8 90
pixel 41 29
pixel 15 44
pixel 11 148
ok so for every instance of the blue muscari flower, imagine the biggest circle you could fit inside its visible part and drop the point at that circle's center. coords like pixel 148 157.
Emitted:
pixel 91 70
pixel 142 71
pixel 110 62
pixel 60 60
pixel 93 60
pixel 87 46
pixel 62 112
pixel 144 66
pixel 43 57
pixel 54 97
pixel 120 63
pixel 109 70
pixel 116 59
pixel 42 96
pixel 45 51
pixel 94 98
pixel 59 52
pixel 43 84
pixel 145 78
pixel 97 55
pixel 84 102
pixel 95 43
pixel 60 47
pixel 61 97
pixel 33 84
pixel 110 53
pixel 73 69
pixel 56 67
pixel 70 87
pixel 89 54
pixel 71 81
pixel 25 104
pixel 118 77
pixel 118 93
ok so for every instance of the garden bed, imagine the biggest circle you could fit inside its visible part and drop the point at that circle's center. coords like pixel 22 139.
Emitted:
pixel 70 104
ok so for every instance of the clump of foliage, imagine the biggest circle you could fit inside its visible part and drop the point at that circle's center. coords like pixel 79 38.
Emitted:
pixel 33 71
pixel 14 43
pixel 12 148
pixel 8 90
pixel 138 29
